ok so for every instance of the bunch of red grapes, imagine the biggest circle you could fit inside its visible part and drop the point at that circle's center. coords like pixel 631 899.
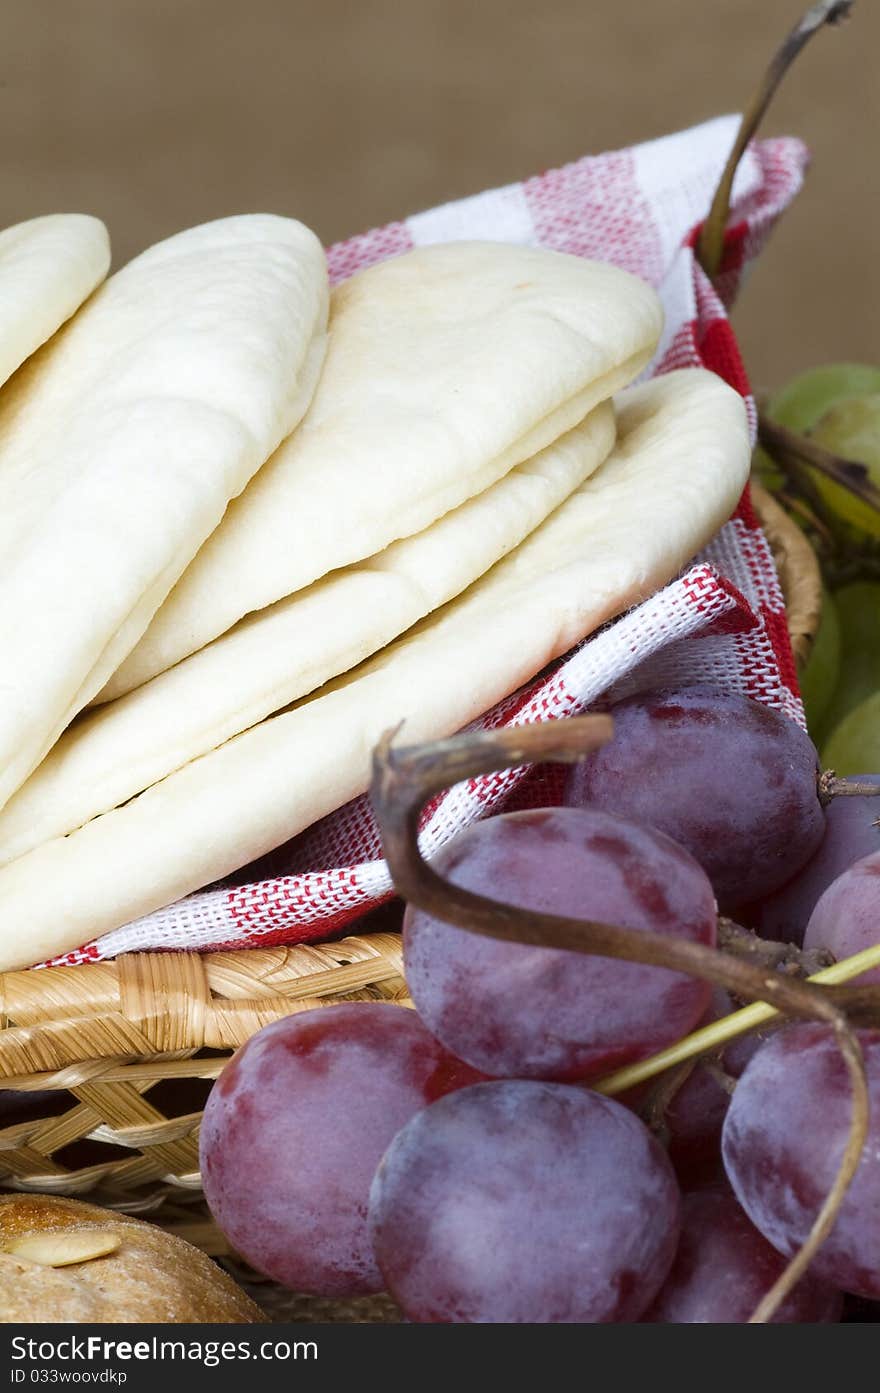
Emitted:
pixel 459 1158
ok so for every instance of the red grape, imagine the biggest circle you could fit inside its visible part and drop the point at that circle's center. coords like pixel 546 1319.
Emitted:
pixel 784 1136
pixel 731 780
pixel 851 832
pixel 514 1010
pixel 524 1202
pixel 847 917
pixel 724 1266
pixel 294 1129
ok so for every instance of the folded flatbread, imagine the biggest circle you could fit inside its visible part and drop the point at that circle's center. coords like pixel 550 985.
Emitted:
pixel 446 367
pixel 123 440
pixel 282 653
pixel 681 461
pixel 48 267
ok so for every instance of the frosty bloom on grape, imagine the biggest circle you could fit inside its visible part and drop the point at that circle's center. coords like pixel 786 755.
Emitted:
pixel 520 1201
pixel 294 1129
pixel 724 1266
pixel 510 1009
pixel 728 778
pixel 783 1138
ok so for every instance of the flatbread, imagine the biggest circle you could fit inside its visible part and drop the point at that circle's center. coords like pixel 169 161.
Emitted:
pixel 48 267
pixel 681 461
pixel 446 367
pixel 121 443
pixel 286 651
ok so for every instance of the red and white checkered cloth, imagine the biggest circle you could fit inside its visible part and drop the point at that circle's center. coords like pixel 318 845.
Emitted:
pixel 722 622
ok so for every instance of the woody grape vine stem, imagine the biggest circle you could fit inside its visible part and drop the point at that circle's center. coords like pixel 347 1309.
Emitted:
pixel 710 244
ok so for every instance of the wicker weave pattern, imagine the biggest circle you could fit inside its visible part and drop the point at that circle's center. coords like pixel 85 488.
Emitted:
pixel 106 1034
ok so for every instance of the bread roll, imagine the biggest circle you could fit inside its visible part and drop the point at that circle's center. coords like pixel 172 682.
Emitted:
pixel 144 1273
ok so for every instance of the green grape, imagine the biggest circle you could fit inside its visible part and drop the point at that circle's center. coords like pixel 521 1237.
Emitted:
pixel 858 613
pixel 802 401
pixel 820 676
pixel 855 745
pixel 838 406
pixel 851 428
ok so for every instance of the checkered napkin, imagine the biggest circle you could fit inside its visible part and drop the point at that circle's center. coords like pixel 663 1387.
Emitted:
pixel 722 621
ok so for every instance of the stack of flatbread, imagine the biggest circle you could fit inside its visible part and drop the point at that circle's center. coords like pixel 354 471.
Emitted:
pixel 247 525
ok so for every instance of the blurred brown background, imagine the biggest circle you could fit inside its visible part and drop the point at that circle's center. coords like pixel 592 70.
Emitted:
pixel 156 114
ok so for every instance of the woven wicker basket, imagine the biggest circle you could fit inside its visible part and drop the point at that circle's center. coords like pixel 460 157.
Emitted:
pixel 104 1068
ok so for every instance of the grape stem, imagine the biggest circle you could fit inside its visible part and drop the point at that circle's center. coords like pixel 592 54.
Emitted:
pixel 802 492
pixel 780 957
pixel 406 777
pixel 654 1109
pixel 710 243
pixel 831 787
pixel 787 447
pixel 720 1075
pixel 862 1006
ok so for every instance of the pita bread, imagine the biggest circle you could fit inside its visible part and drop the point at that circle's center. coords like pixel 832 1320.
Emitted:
pixel 121 443
pixel 48 267
pixel 446 367
pixel 681 461
pixel 288 650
